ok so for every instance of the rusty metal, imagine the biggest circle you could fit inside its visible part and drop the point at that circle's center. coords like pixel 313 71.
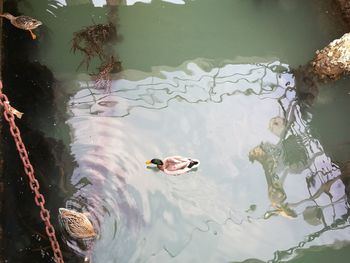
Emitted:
pixel 29 171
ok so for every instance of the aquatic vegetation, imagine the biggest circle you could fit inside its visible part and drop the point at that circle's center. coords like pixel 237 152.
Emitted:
pixel 92 40
pixel 77 225
pixel 23 22
pixel 103 79
pixel 175 165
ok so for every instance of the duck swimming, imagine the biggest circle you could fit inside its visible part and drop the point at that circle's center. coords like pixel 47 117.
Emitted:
pixel 175 165
pixel 77 224
pixel 23 22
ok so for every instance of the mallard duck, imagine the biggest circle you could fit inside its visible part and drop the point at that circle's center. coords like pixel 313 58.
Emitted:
pixel 77 224
pixel 23 22
pixel 175 165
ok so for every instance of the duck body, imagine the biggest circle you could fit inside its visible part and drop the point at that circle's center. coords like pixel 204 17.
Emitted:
pixel 175 165
pixel 77 225
pixel 23 22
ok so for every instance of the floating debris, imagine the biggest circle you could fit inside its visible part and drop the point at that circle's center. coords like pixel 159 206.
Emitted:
pixel 77 224
pixel 23 22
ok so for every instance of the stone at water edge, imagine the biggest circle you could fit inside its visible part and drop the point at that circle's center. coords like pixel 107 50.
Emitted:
pixel 334 60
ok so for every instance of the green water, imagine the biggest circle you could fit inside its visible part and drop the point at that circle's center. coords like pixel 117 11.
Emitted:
pixel 166 34
pixel 203 79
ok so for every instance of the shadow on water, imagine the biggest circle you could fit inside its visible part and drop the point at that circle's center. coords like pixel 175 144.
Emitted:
pixel 30 87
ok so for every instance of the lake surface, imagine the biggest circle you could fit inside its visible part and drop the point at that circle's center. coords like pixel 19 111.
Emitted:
pixel 211 81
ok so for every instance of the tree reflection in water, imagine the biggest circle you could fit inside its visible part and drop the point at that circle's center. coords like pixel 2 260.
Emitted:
pixel 108 145
pixel 298 152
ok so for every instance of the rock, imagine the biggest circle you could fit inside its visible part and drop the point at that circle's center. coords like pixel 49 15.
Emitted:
pixel 334 60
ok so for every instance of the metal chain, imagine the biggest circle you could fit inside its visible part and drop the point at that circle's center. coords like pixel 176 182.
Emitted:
pixel 33 182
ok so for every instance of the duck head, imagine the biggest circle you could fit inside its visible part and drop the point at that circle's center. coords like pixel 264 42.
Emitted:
pixel 155 161
pixel 8 16
pixel 36 23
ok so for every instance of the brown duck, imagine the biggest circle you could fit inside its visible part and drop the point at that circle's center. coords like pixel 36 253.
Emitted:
pixel 77 224
pixel 23 22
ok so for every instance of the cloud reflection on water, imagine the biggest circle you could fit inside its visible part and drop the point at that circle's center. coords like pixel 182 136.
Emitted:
pixel 217 114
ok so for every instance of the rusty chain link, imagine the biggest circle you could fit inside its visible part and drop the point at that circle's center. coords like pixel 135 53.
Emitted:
pixel 33 182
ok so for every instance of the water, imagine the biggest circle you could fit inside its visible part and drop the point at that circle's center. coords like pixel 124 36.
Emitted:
pixel 203 81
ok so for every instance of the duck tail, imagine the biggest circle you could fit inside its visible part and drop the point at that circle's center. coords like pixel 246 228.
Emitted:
pixel 193 163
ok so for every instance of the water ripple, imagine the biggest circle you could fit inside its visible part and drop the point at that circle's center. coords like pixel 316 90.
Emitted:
pixel 191 85
pixel 217 115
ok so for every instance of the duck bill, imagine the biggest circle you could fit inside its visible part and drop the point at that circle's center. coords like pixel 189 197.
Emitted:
pixel 148 162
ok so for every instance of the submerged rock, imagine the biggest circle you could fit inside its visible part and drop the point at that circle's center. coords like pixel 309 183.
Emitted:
pixel 334 60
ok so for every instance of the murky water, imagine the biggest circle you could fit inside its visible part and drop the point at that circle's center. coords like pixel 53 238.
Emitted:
pixel 212 82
